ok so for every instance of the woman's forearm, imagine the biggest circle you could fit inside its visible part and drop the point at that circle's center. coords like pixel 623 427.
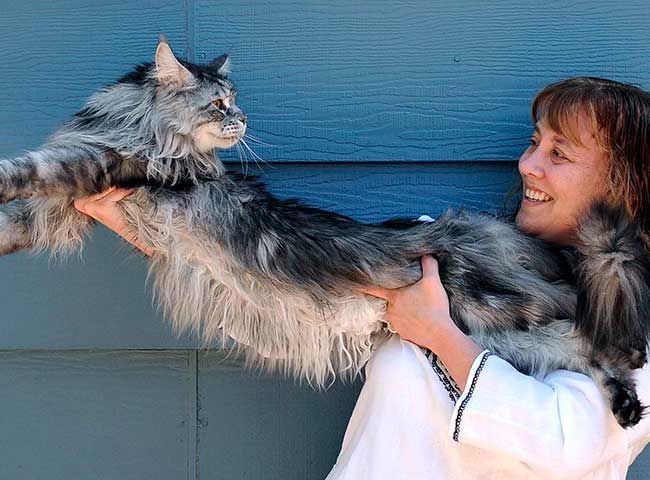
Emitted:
pixel 133 240
pixel 456 350
pixel 119 226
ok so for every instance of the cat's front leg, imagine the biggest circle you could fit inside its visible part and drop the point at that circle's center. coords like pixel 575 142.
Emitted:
pixel 14 227
pixel 42 224
pixel 55 171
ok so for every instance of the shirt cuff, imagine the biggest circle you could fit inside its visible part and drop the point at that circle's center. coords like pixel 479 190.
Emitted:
pixel 466 396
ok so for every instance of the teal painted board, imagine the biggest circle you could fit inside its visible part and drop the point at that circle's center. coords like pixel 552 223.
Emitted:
pixel 99 301
pixel 123 415
pixel 378 191
pixel 335 81
pixel 640 469
pixel 56 54
pixel 132 415
pixel 361 80
pixel 102 302
pixel 256 426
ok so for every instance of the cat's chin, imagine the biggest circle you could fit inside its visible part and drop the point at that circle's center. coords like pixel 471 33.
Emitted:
pixel 223 143
pixel 207 142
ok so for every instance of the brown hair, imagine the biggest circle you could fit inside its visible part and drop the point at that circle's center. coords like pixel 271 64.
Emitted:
pixel 620 117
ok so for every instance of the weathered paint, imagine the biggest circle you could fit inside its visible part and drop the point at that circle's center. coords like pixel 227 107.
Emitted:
pixel 360 102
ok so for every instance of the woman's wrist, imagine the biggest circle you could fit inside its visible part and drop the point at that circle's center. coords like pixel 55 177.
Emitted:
pixel 456 350
pixel 441 332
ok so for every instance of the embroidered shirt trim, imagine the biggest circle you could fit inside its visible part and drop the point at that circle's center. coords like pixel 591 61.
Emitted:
pixel 467 394
pixel 443 375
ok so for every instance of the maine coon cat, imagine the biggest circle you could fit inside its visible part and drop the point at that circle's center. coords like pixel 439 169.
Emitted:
pixel 231 261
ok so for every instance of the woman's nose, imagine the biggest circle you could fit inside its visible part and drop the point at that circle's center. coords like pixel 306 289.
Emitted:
pixel 531 163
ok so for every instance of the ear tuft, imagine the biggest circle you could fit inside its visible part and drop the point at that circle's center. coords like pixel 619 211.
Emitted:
pixel 221 64
pixel 169 71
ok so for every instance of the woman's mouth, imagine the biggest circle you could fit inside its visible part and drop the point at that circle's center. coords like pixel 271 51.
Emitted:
pixel 536 196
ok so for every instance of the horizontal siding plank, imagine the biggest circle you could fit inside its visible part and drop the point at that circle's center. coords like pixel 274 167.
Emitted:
pixel 640 469
pixel 56 54
pixel 411 80
pixel 374 192
pixel 110 415
pixel 101 301
pixel 346 81
pixel 259 426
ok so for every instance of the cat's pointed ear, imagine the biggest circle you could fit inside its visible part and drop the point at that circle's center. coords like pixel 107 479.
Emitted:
pixel 221 64
pixel 169 71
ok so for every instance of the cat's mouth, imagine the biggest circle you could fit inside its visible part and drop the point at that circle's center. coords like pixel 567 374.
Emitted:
pixel 233 131
pixel 210 136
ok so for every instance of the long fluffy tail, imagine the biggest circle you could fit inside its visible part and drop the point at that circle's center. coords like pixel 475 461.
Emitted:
pixel 613 306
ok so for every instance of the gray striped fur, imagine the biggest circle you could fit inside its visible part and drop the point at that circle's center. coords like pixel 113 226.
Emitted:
pixel 232 262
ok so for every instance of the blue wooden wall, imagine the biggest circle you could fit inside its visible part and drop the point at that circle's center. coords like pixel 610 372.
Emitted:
pixel 370 108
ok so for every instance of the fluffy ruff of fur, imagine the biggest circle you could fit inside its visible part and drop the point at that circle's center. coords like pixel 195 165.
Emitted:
pixel 278 278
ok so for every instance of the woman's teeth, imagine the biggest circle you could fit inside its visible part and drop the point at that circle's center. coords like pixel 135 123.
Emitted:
pixel 537 196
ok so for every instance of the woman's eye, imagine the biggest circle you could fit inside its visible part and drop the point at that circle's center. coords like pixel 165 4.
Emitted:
pixel 558 154
pixel 533 142
pixel 218 103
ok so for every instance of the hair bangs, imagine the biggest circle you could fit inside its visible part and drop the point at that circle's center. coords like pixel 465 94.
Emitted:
pixel 564 110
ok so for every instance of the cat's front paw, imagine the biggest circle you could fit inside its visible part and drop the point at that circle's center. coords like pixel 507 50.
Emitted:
pixel 626 406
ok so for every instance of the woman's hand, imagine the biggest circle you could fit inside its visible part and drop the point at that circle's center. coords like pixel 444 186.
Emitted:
pixel 103 208
pixel 419 313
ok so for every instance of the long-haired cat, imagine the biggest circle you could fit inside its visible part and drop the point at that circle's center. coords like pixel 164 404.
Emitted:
pixel 231 261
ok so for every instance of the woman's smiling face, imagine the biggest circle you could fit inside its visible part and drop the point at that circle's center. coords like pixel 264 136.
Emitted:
pixel 561 179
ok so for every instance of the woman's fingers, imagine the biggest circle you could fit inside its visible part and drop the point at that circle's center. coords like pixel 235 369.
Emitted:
pixel 117 194
pixel 379 292
pixel 94 203
pixel 98 196
pixel 429 273
pixel 429 266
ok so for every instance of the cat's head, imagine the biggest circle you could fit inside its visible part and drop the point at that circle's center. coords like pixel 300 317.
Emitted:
pixel 202 97
pixel 196 102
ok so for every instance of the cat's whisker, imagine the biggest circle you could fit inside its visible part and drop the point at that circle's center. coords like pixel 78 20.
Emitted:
pixel 244 149
pixel 246 157
pixel 256 157
pixel 243 161
pixel 259 141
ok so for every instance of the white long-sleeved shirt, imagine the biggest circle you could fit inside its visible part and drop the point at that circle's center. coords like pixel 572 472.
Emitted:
pixel 411 423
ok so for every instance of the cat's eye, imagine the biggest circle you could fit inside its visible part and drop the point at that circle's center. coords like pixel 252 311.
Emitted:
pixel 219 103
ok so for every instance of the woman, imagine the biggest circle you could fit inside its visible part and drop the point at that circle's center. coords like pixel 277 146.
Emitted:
pixel 463 413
